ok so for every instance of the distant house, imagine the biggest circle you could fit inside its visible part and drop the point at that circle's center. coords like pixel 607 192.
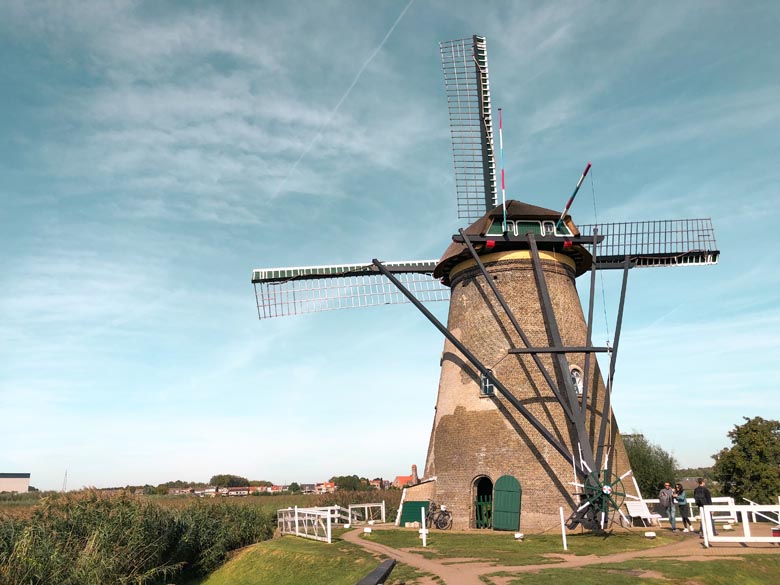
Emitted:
pixel 376 484
pixel 18 483
pixel 308 488
pixel 401 481
pixel 257 489
pixel 180 491
pixel 238 491
pixel 325 487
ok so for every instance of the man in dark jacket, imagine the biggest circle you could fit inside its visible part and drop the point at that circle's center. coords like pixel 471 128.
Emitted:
pixel 703 497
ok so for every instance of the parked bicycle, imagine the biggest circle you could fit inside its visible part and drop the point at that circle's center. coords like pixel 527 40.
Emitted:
pixel 439 516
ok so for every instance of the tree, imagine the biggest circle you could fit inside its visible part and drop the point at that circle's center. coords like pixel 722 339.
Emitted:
pixel 751 467
pixel 695 472
pixel 350 483
pixel 260 483
pixel 294 487
pixel 650 464
pixel 228 480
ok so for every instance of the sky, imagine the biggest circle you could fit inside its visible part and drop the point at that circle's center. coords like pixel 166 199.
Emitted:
pixel 153 153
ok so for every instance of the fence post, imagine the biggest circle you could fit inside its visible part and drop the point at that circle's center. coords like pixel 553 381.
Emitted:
pixel 383 511
pixel 424 530
pixel 296 520
pixel 563 529
pixel 329 533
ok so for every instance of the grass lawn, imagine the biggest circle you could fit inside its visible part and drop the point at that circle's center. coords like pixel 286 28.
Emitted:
pixel 297 561
pixel 504 549
pixel 743 570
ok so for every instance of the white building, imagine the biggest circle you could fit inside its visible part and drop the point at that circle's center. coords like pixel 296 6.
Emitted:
pixel 15 482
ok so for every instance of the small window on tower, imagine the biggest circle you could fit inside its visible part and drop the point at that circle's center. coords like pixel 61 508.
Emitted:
pixel 549 228
pixel 576 379
pixel 486 387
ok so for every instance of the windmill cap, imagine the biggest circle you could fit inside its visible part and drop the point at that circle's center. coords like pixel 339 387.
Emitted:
pixel 515 211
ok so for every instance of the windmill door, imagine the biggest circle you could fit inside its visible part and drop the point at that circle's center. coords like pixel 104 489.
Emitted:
pixel 506 504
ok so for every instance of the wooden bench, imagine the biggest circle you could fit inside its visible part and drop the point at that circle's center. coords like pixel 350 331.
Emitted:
pixel 639 509
pixel 378 575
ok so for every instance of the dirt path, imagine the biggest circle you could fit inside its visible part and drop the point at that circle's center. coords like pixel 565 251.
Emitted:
pixel 465 572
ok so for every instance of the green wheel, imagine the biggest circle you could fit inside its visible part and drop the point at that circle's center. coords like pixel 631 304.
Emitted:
pixel 605 493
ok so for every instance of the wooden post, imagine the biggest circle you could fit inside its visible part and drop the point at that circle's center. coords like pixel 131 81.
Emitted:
pixel 563 529
pixel 424 530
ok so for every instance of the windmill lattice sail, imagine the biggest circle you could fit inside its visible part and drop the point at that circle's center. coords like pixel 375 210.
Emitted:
pixel 313 289
pixel 465 66
pixel 671 242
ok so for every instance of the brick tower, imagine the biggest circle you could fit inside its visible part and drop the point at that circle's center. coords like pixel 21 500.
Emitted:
pixel 478 437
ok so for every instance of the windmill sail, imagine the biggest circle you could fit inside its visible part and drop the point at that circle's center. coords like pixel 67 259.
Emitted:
pixel 471 124
pixel 672 242
pixel 312 289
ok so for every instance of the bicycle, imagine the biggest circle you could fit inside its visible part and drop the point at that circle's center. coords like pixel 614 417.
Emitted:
pixel 439 516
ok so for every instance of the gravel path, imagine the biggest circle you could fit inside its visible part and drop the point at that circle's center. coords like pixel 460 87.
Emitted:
pixel 464 572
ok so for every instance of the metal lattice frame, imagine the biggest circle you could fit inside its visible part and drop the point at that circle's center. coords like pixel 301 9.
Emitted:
pixel 674 242
pixel 465 66
pixel 315 293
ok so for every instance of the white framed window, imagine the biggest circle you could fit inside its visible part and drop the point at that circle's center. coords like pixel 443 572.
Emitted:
pixel 486 387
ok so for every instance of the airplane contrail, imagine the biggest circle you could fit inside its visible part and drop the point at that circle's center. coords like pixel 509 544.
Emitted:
pixel 341 101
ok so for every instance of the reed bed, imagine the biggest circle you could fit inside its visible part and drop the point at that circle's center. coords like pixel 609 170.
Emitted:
pixel 90 538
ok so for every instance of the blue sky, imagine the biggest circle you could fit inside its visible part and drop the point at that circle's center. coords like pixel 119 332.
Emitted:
pixel 153 154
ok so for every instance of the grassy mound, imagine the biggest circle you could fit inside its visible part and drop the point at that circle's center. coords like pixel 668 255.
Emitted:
pixel 297 561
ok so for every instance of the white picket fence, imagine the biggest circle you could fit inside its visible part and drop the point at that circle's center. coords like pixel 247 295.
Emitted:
pixel 317 523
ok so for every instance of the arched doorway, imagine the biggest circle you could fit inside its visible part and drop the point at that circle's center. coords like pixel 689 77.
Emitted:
pixel 506 503
pixel 483 502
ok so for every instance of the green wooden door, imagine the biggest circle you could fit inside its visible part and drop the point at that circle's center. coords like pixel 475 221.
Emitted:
pixel 506 503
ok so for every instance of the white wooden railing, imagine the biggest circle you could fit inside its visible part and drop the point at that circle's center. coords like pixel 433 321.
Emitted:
pixel 743 512
pixel 317 523
pixel 776 519
pixel 364 513
pixel 306 522
pixel 723 513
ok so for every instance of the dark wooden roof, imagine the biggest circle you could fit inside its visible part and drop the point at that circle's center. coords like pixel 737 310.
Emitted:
pixel 515 210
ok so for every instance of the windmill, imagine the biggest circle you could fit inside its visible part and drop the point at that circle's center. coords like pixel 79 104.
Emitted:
pixel 523 417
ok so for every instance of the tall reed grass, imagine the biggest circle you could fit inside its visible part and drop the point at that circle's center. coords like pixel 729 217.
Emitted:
pixel 89 538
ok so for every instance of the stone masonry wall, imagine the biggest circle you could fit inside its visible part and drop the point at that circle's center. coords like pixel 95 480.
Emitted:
pixel 475 436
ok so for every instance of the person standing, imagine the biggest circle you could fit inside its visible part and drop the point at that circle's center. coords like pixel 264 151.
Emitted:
pixel 703 497
pixel 682 503
pixel 666 499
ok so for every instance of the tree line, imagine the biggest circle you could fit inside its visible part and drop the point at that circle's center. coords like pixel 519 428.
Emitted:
pixel 749 468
